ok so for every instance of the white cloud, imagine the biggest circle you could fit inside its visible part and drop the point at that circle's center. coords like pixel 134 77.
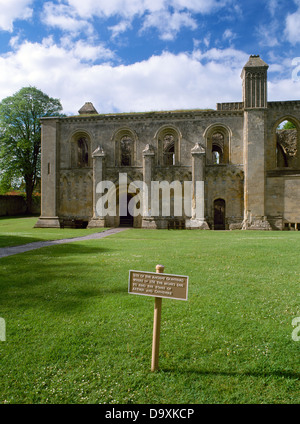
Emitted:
pixel 12 10
pixel 227 58
pixel 229 35
pixel 292 28
pixel 168 16
pixel 85 51
pixel 285 89
pixel 120 28
pixel 200 6
pixel 273 7
pixel 267 34
pixel 167 24
pixel 124 8
pixel 162 82
pixel 131 8
pixel 65 18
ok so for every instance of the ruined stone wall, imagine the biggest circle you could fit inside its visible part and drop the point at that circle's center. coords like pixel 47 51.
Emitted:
pixel 75 185
pixel 225 182
pixel 283 179
pixel 233 149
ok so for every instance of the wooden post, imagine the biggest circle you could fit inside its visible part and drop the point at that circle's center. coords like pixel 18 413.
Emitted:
pixel 156 326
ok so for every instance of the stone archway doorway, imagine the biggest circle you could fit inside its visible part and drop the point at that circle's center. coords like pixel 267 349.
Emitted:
pixel 219 214
pixel 126 220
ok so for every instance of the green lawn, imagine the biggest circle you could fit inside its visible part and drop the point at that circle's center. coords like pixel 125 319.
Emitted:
pixel 17 231
pixel 75 335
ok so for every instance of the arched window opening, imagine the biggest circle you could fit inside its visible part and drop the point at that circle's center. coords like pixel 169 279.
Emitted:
pixel 169 150
pixel 217 138
pixel 286 144
pixel 125 147
pixel 168 146
pixel 126 150
pixel 82 152
pixel 216 154
pixel 217 148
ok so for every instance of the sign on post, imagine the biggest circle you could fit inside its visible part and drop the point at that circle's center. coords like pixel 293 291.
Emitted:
pixel 158 285
pixel 168 286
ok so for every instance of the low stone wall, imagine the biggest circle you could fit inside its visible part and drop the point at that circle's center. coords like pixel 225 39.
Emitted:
pixel 16 205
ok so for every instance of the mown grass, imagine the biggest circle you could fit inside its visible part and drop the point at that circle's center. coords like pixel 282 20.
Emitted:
pixel 75 335
pixel 18 231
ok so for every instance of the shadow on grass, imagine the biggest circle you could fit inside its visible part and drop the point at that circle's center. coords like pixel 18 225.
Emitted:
pixel 275 373
pixel 59 278
pixel 15 240
pixel 11 241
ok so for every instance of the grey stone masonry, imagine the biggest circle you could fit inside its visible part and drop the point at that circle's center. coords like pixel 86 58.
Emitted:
pixel 242 173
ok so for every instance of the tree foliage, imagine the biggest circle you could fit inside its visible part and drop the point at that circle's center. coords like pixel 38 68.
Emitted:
pixel 289 125
pixel 20 136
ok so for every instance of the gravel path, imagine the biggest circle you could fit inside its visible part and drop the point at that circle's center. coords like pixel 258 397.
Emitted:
pixel 14 250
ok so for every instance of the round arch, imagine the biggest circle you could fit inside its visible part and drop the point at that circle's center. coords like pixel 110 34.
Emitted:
pixel 124 139
pixel 218 138
pixel 279 153
pixel 168 139
pixel 80 142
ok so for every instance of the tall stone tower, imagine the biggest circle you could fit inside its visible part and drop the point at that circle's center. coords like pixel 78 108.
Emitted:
pixel 254 76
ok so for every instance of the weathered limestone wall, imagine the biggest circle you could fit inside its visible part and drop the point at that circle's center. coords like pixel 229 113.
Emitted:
pixel 283 200
pixel 49 167
pixel 254 167
pixel 225 182
pixel 74 185
pixel 248 182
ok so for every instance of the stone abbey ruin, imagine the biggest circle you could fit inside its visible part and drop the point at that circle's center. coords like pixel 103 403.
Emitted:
pixel 249 168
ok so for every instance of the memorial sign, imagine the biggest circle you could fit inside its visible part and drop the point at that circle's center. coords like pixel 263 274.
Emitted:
pixel 168 286
pixel 158 285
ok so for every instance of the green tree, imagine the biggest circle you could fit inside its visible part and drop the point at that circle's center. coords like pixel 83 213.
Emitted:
pixel 288 126
pixel 20 136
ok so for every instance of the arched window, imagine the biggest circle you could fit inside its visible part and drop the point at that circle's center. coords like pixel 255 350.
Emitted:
pixel 126 150
pixel 286 144
pixel 217 141
pixel 169 150
pixel 217 148
pixel 82 152
pixel 168 146
pixel 125 146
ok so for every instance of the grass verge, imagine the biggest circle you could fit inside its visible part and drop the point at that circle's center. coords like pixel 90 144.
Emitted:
pixel 74 334
pixel 18 231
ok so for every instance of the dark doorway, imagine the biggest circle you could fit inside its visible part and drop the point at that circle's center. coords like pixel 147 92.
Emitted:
pixel 219 214
pixel 127 220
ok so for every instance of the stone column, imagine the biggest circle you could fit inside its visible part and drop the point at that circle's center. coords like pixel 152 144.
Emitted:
pixel 254 169
pixel 50 178
pixel 197 220
pixel 98 176
pixel 254 77
pixel 148 159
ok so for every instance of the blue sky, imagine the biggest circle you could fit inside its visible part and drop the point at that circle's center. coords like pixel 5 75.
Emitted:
pixel 141 55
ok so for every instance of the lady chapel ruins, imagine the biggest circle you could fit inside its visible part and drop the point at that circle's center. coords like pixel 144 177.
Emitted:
pixel 234 167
